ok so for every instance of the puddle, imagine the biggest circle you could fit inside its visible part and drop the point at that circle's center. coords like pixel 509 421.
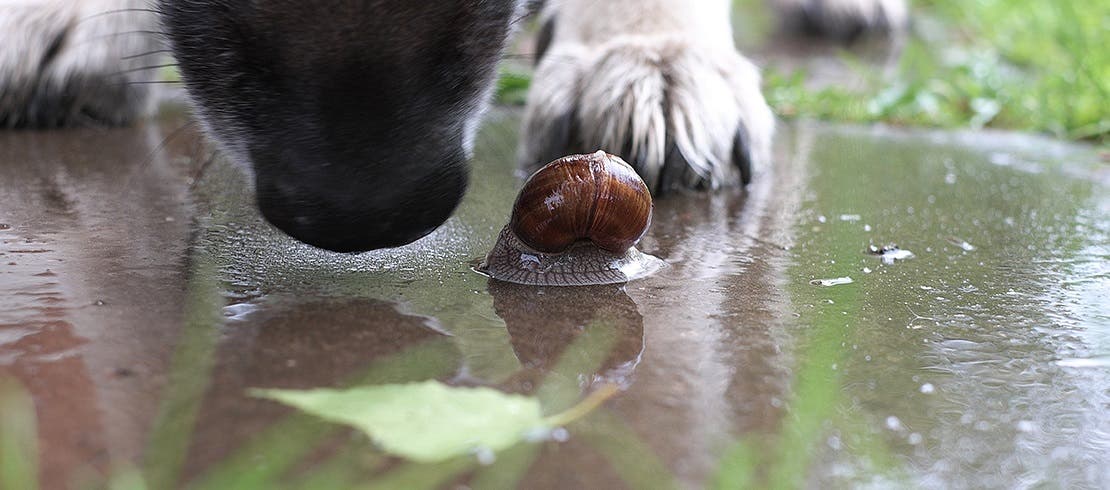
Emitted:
pixel 138 338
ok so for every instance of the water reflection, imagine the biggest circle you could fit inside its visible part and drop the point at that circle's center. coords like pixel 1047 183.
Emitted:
pixel 303 344
pixel 543 322
pixel 976 362
pixel 93 230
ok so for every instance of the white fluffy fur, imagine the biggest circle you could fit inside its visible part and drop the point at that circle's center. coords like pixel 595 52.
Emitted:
pixel 640 74
pixel 92 39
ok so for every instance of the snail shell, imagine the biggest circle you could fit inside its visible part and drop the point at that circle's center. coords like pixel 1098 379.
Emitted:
pixel 574 223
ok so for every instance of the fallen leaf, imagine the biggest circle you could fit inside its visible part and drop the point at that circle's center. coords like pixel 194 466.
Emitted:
pixel 425 421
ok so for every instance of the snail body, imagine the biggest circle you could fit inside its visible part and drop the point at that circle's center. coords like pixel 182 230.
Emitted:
pixel 575 222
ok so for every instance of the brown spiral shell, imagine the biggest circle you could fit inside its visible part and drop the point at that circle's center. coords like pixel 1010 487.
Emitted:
pixel 596 197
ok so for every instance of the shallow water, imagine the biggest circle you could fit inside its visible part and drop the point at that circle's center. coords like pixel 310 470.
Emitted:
pixel 141 295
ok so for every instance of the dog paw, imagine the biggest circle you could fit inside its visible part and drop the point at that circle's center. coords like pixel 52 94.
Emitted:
pixel 843 20
pixel 65 63
pixel 683 115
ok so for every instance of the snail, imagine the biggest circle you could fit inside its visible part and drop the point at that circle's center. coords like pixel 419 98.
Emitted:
pixel 575 223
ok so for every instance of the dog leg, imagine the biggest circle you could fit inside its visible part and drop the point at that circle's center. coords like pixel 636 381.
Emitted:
pixel 657 82
pixel 843 19
pixel 74 62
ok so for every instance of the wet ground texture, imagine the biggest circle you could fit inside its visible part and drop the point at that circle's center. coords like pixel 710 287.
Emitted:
pixel 141 296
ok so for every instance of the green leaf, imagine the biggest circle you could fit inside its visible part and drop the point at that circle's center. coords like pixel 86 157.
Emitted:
pixel 427 421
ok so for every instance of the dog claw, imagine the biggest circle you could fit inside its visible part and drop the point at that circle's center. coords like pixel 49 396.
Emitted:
pixel 741 155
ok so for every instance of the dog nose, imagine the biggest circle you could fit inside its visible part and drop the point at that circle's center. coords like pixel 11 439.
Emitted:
pixel 356 211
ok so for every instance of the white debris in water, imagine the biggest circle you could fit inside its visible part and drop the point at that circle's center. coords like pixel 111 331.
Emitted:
pixel 914 439
pixel 850 217
pixel 893 423
pixel 821 219
pixel 1026 426
pixel 928 388
pixel 890 256
pixel 832 282
pixel 962 244
pixel 866 270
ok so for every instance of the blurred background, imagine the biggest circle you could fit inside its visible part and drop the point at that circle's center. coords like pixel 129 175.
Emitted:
pixel 1030 65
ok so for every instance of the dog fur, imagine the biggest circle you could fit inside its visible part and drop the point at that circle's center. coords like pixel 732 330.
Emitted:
pixel 356 117
pixel 66 62
pixel 668 92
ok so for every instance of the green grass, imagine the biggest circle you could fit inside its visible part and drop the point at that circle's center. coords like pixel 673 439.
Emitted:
pixel 1018 64
pixel 1031 65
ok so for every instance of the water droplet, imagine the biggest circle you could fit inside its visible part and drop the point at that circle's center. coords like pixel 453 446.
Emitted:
pixel 893 423
pixel 485 456
pixel 560 435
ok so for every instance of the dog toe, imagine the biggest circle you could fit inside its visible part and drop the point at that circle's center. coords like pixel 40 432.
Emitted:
pixel 683 116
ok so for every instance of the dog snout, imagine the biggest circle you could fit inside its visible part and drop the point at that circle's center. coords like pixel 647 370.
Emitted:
pixel 357 212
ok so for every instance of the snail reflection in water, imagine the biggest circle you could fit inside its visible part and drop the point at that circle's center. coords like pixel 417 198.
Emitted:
pixel 575 223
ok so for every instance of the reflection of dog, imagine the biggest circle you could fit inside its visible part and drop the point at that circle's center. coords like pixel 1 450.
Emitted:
pixel 357 116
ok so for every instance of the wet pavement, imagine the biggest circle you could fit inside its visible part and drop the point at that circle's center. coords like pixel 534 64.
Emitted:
pixel 141 296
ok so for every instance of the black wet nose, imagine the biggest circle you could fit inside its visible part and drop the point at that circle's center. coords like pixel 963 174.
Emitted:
pixel 360 211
